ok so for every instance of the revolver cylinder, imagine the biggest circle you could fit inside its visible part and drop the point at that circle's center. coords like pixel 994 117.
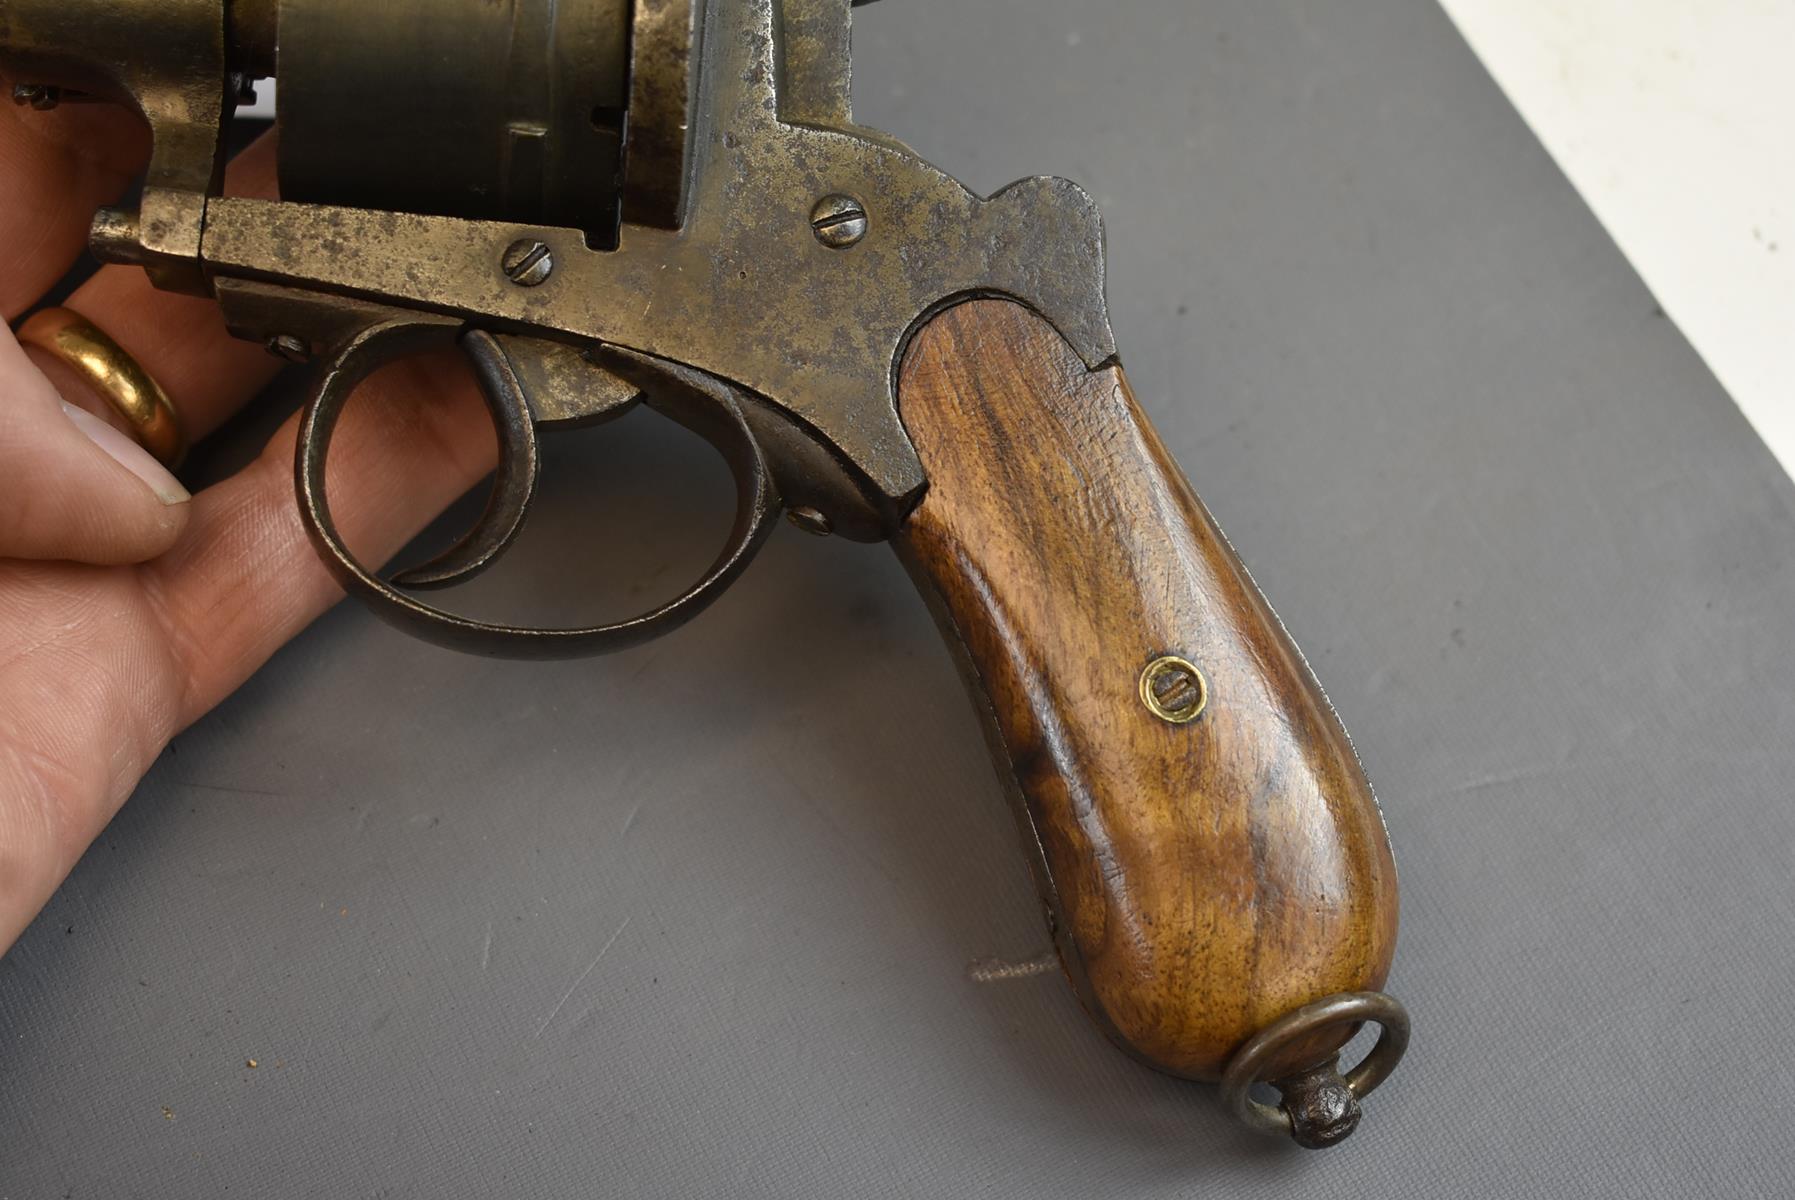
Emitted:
pixel 509 112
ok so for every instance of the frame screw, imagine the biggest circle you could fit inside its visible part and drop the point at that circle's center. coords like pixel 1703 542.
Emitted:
pixel 41 96
pixel 285 345
pixel 811 520
pixel 527 262
pixel 839 221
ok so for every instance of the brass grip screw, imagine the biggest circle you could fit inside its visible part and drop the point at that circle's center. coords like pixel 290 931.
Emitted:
pixel 1174 690
pixel 839 221
pixel 527 262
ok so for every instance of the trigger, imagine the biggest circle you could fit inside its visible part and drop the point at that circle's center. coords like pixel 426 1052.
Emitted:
pixel 527 383
pixel 562 386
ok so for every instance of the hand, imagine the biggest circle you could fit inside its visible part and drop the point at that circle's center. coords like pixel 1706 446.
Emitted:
pixel 128 608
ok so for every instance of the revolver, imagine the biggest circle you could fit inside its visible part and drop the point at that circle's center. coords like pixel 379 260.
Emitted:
pixel 606 203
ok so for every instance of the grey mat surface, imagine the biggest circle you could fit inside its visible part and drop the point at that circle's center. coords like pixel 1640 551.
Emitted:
pixel 696 920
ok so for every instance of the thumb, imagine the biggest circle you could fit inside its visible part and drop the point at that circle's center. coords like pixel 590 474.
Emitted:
pixel 71 485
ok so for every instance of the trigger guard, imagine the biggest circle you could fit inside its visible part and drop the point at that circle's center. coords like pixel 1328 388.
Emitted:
pixel 701 403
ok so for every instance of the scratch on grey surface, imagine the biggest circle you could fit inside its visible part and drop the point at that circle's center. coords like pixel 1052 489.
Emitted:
pixel 486 947
pixel 361 822
pixel 837 832
pixel 1520 775
pixel 999 970
pixel 630 820
pixel 228 789
pixel 647 663
pixel 565 996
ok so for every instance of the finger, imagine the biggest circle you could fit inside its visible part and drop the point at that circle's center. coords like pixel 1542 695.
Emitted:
pixel 71 486
pixel 179 340
pixel 245 579
pixel 55 168
pixel 86 704
pixel 126 659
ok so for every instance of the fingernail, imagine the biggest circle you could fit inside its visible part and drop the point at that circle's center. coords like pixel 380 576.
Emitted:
pixel 129 455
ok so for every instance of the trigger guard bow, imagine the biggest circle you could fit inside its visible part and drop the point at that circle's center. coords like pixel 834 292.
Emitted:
pixel 703 404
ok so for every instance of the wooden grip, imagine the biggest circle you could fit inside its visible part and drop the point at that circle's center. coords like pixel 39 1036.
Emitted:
pixel 1204 877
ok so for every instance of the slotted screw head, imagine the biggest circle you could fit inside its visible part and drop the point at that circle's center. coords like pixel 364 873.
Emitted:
pixel 527 262
pixel 839 221
pixel 287 346
pixel 41 96
pixel 1174 690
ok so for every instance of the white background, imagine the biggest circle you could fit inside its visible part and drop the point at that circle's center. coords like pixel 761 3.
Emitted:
pixel 1675 119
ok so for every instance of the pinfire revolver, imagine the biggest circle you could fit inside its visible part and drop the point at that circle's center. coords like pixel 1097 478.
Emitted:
pixel 611 201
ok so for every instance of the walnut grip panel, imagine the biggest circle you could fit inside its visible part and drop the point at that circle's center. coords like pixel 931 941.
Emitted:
pixel 1202 878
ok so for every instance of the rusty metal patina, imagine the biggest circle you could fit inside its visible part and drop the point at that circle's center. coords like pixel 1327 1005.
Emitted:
pixel 743 290
pixel 727 130
pixel 168 60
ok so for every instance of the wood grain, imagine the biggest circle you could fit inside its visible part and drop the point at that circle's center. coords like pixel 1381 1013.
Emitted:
pixel 1201 879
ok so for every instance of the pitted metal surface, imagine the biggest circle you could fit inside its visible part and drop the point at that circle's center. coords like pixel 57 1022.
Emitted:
pixel 745 290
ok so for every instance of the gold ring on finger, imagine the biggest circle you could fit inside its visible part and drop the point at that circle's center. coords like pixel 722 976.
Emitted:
pixel 85 347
